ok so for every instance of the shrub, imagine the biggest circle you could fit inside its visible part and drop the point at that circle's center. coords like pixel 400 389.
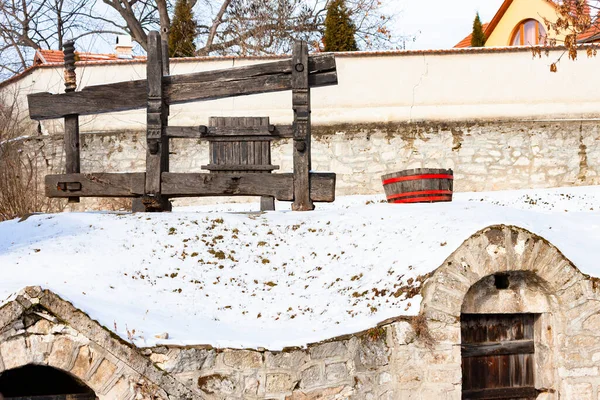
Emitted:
pixel 21 176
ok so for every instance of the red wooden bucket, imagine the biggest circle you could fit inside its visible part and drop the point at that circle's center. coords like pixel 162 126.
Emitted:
pixel 420 185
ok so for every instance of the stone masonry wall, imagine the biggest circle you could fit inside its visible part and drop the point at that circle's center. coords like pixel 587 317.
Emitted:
pixel 420 357
pixel 484 156
pixel 392 361
pixel 406 358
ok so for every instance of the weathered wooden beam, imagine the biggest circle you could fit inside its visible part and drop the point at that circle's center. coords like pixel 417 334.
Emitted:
pixel 499 348
pixel 280 186
pixel 210 133
pixel 209 85
pixel 157 149
pixel 242 167
pixel 71 122
pixel 186 132
pixel 501 393
pixel 267 203
pixel 301 106
pixel 95 185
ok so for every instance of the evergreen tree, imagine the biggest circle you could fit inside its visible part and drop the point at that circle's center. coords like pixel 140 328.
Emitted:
pixel 478 37
pixel 183 31
pixel 339 28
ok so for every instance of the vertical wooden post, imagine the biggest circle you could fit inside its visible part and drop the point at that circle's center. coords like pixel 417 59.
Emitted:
pixel 301 106
pixel 157 152
pixel 71 138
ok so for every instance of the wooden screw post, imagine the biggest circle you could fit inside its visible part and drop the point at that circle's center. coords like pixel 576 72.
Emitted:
pixel 157 152
pixel 301 106
pixel 71 139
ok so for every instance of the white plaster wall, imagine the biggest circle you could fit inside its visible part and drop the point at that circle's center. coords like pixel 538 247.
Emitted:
pixel 394 87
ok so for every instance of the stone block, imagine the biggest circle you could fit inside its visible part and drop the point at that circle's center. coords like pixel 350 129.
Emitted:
pixel 404 333
pixel 217 383
pixel 279 383
pixel 39 347
pixel 328 350
pixel 336 372
pixel 14 353
pixel 242 359
pixel 579 391
pixel 84 361
pixel 42 327
pixel 445 375
pixel 251 385
pixel 120 390
pixel 372 354
pixel 288 360
pixel 384 377
pixel 185 360
pixel 102 375
pixel 311 377
pixel 340 392
pixel 577 372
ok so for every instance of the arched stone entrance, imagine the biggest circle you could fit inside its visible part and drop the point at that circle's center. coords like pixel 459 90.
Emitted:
pixel 510 274
pixel 502 323
pixel 43 382
pixel 38 328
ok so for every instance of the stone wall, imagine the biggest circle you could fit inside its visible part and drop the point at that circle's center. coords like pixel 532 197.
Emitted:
pixel 485 156
pixel 392 361
pixel 405 358
pixel 420 357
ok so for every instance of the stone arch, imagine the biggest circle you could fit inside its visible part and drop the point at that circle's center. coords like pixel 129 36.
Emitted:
pixel 499 249
pixel 40 328
pixel 42 380
pixel 546 284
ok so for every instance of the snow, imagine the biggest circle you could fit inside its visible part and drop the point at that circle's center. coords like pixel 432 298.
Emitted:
pixel 229 277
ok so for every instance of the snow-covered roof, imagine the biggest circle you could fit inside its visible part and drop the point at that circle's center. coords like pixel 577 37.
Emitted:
pixel 221 276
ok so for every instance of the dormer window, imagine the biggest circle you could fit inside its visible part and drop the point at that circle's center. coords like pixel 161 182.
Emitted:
pixel 528 33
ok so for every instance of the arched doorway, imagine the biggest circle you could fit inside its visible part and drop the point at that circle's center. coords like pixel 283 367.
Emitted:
pixel 501 322
pixel 38 382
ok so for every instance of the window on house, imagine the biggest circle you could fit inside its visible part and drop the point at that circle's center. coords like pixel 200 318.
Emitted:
pixel 529 32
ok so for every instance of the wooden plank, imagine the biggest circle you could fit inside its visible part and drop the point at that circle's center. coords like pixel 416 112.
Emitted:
pixel 209 85
pixel 186 132
pixel 301 106
pixel 482 328
pixel 501 393
pixel 267 203
pixel 96 185
pixel 71 122
pixel 114 97
pixel 499 348
pixel 244 130
pixel 240 167
pixel 157 149
pixel 280 186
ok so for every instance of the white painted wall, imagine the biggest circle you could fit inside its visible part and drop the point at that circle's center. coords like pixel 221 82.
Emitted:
pixel 395 87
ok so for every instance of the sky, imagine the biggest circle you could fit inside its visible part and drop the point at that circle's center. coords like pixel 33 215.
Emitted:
pixel 435 24
pixel 439 24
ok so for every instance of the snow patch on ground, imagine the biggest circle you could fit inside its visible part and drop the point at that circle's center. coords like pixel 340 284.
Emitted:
pixel 228 276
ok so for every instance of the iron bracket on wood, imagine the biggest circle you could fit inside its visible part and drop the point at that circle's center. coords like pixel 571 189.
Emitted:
pixel 69 186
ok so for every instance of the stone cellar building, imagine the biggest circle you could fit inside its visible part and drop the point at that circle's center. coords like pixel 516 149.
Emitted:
pixel 506 315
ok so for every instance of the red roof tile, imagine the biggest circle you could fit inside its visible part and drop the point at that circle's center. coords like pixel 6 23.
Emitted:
pixel 466 42
pixel 56 56
pixel 489 28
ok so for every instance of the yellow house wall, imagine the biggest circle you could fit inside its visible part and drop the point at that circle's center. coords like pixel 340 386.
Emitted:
pixel 517 12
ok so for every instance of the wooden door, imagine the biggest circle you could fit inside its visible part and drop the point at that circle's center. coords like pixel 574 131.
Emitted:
pixel 498 356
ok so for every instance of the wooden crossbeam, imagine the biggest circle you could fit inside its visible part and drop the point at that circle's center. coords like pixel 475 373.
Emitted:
pixel 221 133
pixel 209 85
pixel 96 185
pixel 280 186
